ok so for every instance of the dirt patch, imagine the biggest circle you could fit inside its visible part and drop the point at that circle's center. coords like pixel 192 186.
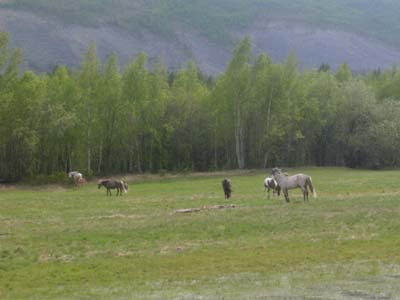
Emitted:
pixel 364 296
pixel 204 208
pixel 114 216
pixel 6 186
pixel 47 258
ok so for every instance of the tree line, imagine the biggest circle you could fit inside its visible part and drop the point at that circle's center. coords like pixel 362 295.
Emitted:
pixel 101 119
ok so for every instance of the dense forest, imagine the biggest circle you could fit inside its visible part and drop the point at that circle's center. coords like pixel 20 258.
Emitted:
pixel 102 120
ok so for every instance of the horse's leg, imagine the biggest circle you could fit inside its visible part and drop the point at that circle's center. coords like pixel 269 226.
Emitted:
pixel 286 193
pixel 304 189
pixel 268 192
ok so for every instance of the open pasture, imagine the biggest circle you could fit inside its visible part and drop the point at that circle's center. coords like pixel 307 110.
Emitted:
pixel 69 243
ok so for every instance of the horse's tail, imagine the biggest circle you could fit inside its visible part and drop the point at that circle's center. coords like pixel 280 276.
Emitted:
pixel 123 186
pixel 309 181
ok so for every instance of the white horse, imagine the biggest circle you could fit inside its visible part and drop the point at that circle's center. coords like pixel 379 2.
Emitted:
pixel 76 177
pixel 291 182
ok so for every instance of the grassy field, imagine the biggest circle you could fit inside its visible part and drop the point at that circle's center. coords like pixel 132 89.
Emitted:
pixel 68 243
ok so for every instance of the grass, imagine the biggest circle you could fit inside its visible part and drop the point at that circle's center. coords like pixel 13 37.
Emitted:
pixel 67 243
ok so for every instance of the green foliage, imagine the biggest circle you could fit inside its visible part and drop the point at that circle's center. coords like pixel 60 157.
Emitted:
pixel 101 120
pixel 57 178
pixel 344 73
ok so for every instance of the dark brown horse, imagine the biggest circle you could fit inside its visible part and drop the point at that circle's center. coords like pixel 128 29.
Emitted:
pixel 227 187
pixel 111 184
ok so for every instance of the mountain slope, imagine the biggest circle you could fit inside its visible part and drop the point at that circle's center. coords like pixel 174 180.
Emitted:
pixel 362 33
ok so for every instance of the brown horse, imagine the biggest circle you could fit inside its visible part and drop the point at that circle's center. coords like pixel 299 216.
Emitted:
pixel 111 184
pixel 80 181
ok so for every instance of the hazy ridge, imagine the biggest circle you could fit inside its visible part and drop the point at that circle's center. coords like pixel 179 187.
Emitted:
pixel 361 33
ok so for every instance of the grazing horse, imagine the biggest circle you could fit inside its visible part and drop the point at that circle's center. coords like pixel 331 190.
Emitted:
pixel 291 182
pixel 227 187
pixel 77 178
pixel 81 181
pixel 111 184
pixel 271 184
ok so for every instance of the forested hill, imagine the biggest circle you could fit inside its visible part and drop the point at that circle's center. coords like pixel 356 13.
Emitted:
pixel 364 33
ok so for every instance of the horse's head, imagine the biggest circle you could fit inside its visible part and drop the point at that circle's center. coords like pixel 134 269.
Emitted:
pixel 276 171
pixel 100 183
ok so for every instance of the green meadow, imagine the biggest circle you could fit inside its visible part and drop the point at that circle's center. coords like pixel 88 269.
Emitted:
pixel 61 242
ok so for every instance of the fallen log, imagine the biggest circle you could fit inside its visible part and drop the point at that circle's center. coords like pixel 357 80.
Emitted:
pixel 194 210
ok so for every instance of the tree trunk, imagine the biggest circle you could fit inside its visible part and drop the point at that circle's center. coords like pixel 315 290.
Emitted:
pixel 239 138
pixel 88 143
pixel 267 128
pixel 151 153
pixel 139 165
pixel 130 163
pixel 100 157
pixel 68 158
pixel 215 147
pixel 266 160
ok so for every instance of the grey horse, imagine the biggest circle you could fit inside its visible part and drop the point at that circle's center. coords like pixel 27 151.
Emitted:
pixel 291 182
pixel 110 184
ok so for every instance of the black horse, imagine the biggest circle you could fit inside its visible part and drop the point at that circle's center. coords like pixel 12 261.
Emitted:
pixel 227 187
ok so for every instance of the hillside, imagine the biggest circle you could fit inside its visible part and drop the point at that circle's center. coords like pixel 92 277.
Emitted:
pixel 362 33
